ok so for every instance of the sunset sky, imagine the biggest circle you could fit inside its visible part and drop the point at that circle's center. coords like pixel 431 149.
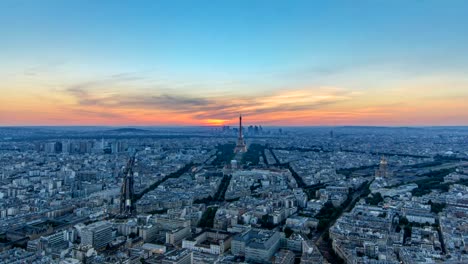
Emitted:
pixel 298 63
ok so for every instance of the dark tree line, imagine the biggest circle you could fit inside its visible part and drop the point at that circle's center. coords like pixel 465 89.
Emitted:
pixel 219 195
pixel 207 219
pixel 224 154
pixel 153 186
pixel 434 181
pixel 252 156
pixel 375 199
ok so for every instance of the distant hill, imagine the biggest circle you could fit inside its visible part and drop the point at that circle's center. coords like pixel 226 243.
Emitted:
pixel 129 130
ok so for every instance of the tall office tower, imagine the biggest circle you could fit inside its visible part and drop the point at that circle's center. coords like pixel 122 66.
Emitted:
pixel 66 146
pixel 240 147
pixel 49 147
pixel 127 208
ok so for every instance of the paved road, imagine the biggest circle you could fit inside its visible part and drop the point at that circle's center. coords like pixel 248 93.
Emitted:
pixel 321 243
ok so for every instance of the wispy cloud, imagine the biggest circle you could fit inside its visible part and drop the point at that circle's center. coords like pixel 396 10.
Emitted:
pixel 44 67
pixel 95 114
pixel 206 108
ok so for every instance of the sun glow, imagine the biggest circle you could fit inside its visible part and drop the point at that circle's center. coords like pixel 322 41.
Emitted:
pixel 215 122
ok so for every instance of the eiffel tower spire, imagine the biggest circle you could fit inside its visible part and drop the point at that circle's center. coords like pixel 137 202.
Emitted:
pixel 240 147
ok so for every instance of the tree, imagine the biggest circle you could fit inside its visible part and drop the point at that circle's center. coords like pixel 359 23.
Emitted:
pixel 208 216
pixel 375 199
pixel 398 229
pixel 403 221
pixel 288 232
pixel 407 232
pixel 437 207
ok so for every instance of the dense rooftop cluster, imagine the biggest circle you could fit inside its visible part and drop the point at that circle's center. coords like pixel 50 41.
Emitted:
pixel 298 195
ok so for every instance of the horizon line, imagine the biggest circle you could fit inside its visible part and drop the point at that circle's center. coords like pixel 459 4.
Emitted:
pixel 220 126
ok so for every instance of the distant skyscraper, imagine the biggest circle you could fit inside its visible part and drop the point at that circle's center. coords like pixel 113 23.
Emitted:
pixel 127 208
pixel 66 146
pixel 240 147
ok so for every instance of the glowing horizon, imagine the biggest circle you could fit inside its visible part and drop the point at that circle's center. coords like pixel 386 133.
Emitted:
pixel 297 64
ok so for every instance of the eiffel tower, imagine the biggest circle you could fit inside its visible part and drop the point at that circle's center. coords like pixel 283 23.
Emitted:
pixel 240 147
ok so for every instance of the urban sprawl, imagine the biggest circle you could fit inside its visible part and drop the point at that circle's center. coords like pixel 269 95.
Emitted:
pixel 234 194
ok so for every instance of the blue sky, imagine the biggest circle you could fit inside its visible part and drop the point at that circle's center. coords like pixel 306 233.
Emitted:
pixel 233 48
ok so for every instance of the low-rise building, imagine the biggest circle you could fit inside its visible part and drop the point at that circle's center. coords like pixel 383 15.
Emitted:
pixel 97 235
pixel 257 245
pixel 212 242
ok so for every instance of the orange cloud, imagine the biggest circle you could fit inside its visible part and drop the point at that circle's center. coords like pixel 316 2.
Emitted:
pixel 97 103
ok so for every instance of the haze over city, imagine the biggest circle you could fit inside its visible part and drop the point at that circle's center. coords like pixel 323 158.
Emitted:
pixel 295 63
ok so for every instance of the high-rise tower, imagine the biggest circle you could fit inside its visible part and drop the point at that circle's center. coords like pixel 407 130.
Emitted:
pixel 240 147
pixel 127 208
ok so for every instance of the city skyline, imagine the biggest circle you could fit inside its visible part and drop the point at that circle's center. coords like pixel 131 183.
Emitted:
pixel 246 131
pixel 186 63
